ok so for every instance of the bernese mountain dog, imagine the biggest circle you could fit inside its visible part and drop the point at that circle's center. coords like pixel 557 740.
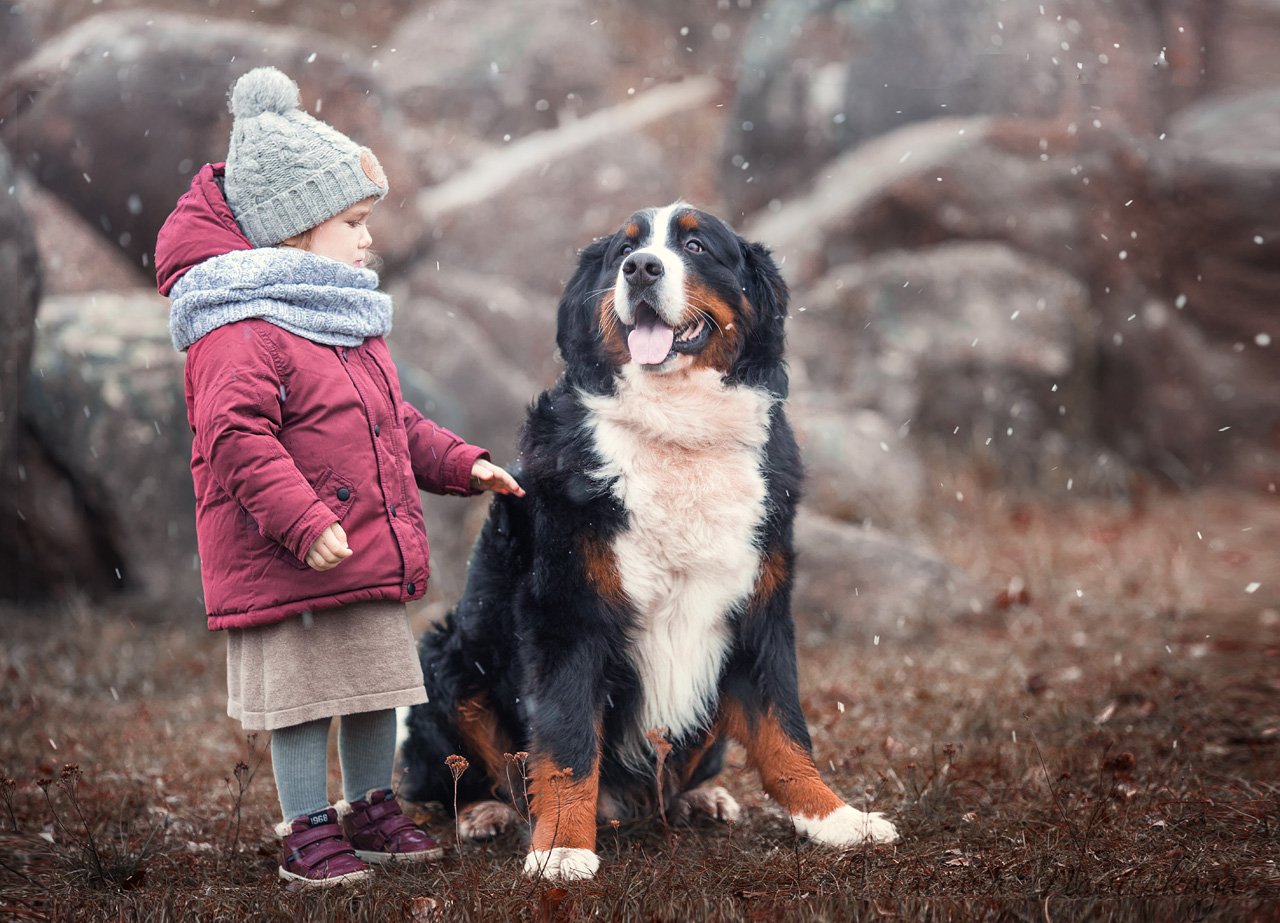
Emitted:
pixel 631 614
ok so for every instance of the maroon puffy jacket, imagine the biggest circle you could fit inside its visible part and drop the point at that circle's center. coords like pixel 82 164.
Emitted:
pixel 290 436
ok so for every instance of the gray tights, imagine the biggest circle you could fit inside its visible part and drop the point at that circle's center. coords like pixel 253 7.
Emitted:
pixel 300 759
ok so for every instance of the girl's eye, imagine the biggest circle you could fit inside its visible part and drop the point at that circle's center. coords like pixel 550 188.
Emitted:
pixel 694 245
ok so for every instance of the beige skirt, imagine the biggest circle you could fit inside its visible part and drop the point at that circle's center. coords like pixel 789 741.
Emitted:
pixel 356 658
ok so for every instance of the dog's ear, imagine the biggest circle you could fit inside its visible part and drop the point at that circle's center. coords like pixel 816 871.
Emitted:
pixel 766 290
pixel 577 326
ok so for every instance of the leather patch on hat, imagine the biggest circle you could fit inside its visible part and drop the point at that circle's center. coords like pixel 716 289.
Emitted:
pixel 372 169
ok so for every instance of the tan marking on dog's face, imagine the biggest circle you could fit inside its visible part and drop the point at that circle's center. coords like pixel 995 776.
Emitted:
pixel 563 806
pixel 612 333
pixel 688 222
pixel 786 771
pixel 725 345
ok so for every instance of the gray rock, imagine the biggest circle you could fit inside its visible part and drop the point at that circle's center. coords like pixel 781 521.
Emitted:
pixel 522 66
pixel 861 585
pixel 1195 383
pixel 523 212
pixel 818 78
pixel 19 33
pixel 104 407
pixel 984 350
pixel 365 23
pixel 117 114
pixel 461 379
pixel 20 281
pixel 858 466
pixel 75 258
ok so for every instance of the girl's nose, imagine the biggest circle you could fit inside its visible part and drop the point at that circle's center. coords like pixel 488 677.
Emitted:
pixel 366 240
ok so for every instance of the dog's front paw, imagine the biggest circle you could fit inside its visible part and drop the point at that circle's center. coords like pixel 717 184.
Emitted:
pixel 713 801
pixel 485 820
pixel 846 826
pixel 562 863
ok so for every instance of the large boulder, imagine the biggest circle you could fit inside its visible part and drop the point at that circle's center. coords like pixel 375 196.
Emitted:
pixel 104 412
pixel 75 259
pixel 457 374
pixel 533 65
pixel 862 585
pixel 523 211
pixel 20 282
pixel 1147 225
pixel 115 116
pixel 974 345
pixel 361 22
pixel 520 67
pixel 819 78
pixel 858 467
pixel 19 33
pixel 1197 385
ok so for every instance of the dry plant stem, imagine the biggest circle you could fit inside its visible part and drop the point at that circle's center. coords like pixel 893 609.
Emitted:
pixel 457 766
pixel 244 774
pixel 661 748
pixel 7 787
pixel 521 759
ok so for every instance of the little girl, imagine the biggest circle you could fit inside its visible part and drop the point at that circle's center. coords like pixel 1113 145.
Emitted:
pixel 307 463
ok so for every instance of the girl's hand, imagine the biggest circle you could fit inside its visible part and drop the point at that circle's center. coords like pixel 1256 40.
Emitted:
pixel 329 550
pixel 485 475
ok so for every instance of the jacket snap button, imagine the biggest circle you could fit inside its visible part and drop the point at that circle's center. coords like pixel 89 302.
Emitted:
pixel 376 429
pixel 344 494
pixel 412 588
pixel 393 511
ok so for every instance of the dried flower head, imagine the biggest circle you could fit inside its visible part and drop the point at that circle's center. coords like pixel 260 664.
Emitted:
pixel 457 765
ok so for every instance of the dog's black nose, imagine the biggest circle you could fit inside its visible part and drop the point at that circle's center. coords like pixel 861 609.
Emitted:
pixel 642 269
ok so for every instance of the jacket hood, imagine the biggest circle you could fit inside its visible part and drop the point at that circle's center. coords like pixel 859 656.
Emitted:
pixel 201 226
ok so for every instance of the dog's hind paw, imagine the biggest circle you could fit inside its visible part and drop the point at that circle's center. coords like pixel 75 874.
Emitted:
pixel 712 801
pixel 846 826
pixel 485 820
pixel 562 863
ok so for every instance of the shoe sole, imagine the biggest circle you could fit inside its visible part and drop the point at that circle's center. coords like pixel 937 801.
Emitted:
pixel 336 881
pixel 423 855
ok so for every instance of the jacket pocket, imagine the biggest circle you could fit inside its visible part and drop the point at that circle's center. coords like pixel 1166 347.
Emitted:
pixel 337 493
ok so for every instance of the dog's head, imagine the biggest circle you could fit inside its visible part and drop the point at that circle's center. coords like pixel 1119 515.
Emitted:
pixel 675 289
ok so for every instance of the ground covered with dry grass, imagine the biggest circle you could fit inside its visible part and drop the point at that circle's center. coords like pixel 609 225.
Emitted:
pixel 1102 744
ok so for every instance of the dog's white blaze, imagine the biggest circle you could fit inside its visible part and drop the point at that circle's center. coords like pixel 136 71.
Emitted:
pixel 668 291
pixel 685 456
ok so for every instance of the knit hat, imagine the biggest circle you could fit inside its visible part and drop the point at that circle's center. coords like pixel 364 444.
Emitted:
pixel 286 170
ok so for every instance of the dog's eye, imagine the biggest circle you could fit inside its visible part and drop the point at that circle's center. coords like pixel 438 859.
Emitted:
pixel 693 245
pixel 626 249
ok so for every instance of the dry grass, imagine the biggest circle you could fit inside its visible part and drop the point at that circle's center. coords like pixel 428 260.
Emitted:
pixel 1102 745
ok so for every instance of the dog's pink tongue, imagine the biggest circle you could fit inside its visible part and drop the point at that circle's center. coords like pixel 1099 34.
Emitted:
pixel 650 342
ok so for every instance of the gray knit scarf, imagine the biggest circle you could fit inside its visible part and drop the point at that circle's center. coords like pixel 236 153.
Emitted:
pixel 323 300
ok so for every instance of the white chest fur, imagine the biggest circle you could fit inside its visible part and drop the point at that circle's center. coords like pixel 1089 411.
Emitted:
pixel 684 455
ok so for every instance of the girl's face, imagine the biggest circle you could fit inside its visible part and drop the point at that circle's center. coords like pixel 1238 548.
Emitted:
pixel 344 237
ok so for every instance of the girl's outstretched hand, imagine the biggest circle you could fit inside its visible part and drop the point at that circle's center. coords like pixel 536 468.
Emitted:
pixel 485 475
pixel 329 550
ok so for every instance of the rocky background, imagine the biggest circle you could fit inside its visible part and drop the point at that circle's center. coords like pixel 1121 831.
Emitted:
pixel 1036 243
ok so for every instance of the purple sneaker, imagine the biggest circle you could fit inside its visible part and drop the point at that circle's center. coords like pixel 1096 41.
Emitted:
pixel 316 855
pixel 380 833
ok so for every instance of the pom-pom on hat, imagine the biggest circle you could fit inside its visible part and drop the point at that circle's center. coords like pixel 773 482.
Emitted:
pixel 286 170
